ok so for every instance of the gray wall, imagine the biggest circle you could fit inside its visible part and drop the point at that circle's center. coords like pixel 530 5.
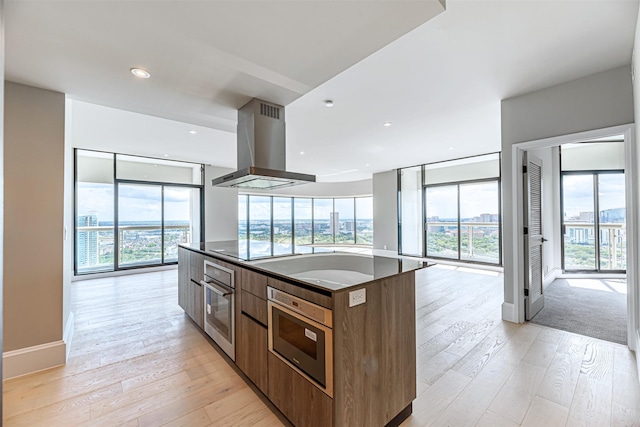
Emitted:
pixel 33 222
pixel 220 207
pixel 594 102
pixel 385 211
pixel 1 178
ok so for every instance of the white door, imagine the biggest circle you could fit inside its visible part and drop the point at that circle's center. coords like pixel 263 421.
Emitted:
pixel 533 240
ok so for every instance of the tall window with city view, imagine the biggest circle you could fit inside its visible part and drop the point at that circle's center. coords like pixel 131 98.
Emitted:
pixel 133 211
pixel 593 206
pixel 460 201
pixel 285 221
pixel 594 242
pixel 463 222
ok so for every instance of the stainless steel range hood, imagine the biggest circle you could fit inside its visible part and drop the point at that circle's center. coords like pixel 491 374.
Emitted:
pixel 261 150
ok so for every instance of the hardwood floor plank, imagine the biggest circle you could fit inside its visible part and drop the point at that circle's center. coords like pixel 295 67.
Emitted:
pixel 540 353
pixel 561 378
pixel 491 419
pixel 544 413
pixel 624 360
pixel 198 418
pixel 625 409
pixel 591 405
pixel 516 395
pixel 437 398
pixel 470 405
pixel 81 404
pixel 473 363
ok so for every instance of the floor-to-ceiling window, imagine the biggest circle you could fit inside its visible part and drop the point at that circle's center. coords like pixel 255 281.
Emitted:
pixel 133 211
pixel 593 207
pixel 459 202
pixel 274 224
pixel 303 221
pixel 282 225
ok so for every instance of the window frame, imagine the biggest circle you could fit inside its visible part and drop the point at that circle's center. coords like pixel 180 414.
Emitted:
pixel 115 184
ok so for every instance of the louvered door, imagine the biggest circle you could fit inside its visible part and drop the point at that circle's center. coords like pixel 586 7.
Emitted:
pixel 534 298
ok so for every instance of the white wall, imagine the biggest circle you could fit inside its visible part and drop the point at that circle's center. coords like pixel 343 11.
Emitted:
pixel 220 207
pixel 385 211
pixel 636 96
pixel 594 102
pixel 593 156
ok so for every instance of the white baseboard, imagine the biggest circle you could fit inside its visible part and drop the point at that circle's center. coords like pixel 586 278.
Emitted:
pixel 33 359
pixel 550 277
pixel 69 328
pixel 508 312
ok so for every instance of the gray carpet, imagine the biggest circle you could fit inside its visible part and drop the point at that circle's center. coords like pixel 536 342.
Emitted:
pixel 594 313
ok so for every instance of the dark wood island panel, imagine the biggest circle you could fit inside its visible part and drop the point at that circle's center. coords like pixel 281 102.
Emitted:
pixel 374 353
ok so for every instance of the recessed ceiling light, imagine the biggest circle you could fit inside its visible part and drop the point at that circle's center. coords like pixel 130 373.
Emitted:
pixel 302 153
pixel 367 164
pixel 165 155
pixel 193 132
pixel 139 72
pixel 386 124
pixel 450 148
pixel 328 103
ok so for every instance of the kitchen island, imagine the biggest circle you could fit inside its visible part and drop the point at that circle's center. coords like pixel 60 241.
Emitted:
pixel 355 365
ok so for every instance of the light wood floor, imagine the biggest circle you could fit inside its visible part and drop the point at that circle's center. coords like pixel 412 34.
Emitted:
pixel 137 361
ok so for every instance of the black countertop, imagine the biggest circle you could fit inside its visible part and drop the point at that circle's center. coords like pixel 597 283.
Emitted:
pixel 322 268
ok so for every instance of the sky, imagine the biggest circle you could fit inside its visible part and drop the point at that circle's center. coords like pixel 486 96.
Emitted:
pixel 578 193
pixel 136 202
pixel 475 199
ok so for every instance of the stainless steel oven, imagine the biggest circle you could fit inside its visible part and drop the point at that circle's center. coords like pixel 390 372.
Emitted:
pixel 219 303
pixel 300 334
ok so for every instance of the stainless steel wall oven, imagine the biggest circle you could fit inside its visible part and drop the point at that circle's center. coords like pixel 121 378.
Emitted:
pixel 219 303
pixel 300 334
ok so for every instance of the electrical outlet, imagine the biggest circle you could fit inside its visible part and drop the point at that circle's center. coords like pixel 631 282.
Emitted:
pixel 357 297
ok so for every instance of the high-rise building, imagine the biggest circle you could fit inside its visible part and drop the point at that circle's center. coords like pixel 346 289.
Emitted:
pixel 87 242
pixel 334 222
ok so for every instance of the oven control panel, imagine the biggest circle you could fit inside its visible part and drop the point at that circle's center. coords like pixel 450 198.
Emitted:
pixel 312 311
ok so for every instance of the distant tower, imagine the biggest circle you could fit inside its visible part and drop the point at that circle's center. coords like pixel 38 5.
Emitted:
pixel 87 249
pixel 334 222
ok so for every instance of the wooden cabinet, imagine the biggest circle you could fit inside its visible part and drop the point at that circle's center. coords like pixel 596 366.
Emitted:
pixel 251 354
pixel 254 283
pixel 183 278
pixel 299 400
pixel 190 292
pixel 251 348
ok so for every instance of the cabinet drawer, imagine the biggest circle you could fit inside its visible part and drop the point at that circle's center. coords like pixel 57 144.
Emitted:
pixel 300 401
pixel 254 307
pixel 252 355
pixel 254 283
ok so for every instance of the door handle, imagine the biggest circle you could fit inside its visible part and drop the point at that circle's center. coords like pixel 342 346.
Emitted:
pixel 544 240
pixel 218 289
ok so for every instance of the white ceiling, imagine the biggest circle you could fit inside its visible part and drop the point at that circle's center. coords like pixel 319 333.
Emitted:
pixel 440 84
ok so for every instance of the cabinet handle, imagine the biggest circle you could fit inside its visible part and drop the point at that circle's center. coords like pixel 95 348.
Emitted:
pixel 217 288
pixel 196 282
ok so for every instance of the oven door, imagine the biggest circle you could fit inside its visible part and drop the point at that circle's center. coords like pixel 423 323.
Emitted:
pixel 219 317
pixel 303 344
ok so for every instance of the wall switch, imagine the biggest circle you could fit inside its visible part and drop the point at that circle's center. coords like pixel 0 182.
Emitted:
pixel 357 297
